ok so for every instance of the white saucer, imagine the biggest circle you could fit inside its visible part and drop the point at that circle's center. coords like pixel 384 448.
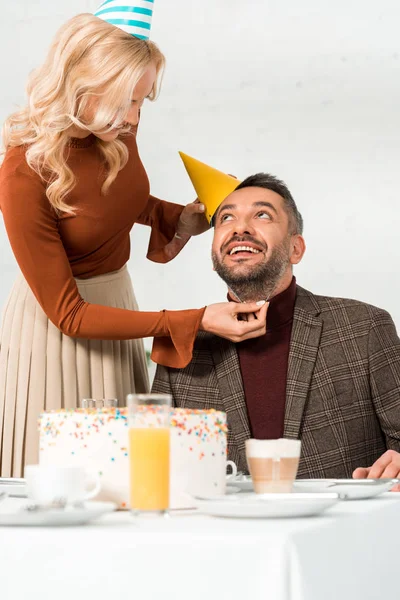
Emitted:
pixel 56 518
pixel 13 487
pixel 265 506
pixel 243 482
pixel 349 489
pixel 232 489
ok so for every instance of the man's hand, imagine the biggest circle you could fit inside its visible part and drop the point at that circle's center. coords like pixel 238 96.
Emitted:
pixel 386 467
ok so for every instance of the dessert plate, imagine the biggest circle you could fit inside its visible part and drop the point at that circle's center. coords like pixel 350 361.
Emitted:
pixel 56 518
pixel 348 489
pixel 13 487
pixel 266 506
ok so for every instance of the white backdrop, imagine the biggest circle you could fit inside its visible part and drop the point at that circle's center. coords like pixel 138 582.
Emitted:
pixel 309 91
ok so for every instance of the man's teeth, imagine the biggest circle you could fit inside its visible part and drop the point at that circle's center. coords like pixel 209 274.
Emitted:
pixel 243 249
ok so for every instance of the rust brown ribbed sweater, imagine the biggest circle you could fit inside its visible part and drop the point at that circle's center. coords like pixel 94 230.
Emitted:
pixel 51 250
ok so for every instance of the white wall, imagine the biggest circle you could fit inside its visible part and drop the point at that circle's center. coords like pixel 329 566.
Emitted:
pixel 309 91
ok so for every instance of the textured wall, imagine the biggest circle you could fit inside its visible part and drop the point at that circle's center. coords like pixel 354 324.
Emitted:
pixel 306 90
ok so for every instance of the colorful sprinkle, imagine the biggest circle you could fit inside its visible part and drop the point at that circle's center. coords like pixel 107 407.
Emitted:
pixel 200 433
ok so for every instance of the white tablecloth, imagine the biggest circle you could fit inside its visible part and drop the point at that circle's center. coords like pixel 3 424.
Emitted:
pixel 351 552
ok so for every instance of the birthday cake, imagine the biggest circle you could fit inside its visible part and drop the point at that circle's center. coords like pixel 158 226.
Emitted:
pixel 97 439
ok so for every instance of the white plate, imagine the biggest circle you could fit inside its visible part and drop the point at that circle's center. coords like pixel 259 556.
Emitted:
pixel 265 506
pixel 349 489
pixel 230 489
pixel 13 487
pixel 57 518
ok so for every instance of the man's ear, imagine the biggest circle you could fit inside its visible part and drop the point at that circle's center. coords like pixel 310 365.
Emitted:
pixel 297 249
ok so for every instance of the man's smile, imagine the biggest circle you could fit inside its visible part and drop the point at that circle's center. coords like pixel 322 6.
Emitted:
pixel 245 256
pixel 243 250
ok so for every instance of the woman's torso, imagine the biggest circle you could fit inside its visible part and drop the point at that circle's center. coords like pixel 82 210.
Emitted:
pixel 96 238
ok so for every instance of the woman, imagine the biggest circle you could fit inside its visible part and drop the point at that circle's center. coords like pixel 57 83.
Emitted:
pixel 71 187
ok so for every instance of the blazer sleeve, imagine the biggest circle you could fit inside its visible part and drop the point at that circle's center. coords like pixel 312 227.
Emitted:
pixel 384 368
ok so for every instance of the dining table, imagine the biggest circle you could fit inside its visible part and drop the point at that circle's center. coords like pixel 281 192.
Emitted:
pixel 349 552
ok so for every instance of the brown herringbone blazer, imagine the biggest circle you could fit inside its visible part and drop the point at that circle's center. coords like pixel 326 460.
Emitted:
pixel 342 392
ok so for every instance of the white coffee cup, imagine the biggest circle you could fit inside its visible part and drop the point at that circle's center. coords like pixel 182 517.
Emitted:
pixel 232 465
pixel 205 478
pixel 47 484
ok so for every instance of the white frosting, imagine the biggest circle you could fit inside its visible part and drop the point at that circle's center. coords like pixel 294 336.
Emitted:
pixel 97 439
pixel 282 448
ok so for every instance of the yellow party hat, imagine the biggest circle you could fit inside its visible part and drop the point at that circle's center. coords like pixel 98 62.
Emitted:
pixel 212 186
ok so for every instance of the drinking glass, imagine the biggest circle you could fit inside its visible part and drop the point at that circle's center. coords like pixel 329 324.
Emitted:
pixel 149 452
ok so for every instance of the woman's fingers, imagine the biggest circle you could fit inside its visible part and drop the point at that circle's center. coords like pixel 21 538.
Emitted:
pixel 250 307
pixel 254 322
pixel 192 220
pixel 224 320
pixel 196 207
pixel 245 312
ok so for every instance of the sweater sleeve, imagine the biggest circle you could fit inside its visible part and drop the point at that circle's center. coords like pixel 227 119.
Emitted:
pixel 163 219
pixel 32 228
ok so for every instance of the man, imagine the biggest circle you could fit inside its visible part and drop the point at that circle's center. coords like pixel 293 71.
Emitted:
pixel 327 371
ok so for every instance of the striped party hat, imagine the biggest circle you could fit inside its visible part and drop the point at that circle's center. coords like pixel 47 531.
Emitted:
pixel 133 17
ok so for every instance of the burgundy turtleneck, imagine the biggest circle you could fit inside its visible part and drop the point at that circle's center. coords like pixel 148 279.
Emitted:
pixel 263 364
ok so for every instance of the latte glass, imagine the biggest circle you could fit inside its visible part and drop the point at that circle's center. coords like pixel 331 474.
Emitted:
pixel 273 464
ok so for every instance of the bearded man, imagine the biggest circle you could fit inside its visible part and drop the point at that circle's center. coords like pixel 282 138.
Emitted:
pixel 327 370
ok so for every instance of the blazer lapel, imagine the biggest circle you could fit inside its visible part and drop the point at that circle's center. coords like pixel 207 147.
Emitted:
pixel 304 344
pixel 230 383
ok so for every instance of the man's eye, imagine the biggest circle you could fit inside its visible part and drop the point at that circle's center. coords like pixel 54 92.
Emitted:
pixel 226 217
pixel 263 215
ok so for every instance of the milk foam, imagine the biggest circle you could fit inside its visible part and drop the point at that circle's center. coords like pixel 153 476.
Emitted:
pixel 282 448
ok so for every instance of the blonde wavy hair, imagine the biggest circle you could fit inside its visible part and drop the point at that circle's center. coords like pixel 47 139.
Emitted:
pixel 88 58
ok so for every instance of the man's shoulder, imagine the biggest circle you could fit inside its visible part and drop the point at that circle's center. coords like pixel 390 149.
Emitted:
pixel 347 309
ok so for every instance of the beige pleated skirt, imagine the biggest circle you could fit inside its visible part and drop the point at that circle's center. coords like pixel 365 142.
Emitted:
pixel 43 369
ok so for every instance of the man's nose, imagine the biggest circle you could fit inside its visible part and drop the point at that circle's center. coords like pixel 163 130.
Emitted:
pixel 242 227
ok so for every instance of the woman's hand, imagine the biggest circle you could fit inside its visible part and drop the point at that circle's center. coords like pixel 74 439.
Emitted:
pixel 225 319
pixel 193 220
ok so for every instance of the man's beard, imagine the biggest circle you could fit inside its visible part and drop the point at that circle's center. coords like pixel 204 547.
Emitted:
pixel 259 281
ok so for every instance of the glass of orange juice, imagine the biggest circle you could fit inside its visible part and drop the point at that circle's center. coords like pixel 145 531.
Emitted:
pixel 149 452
